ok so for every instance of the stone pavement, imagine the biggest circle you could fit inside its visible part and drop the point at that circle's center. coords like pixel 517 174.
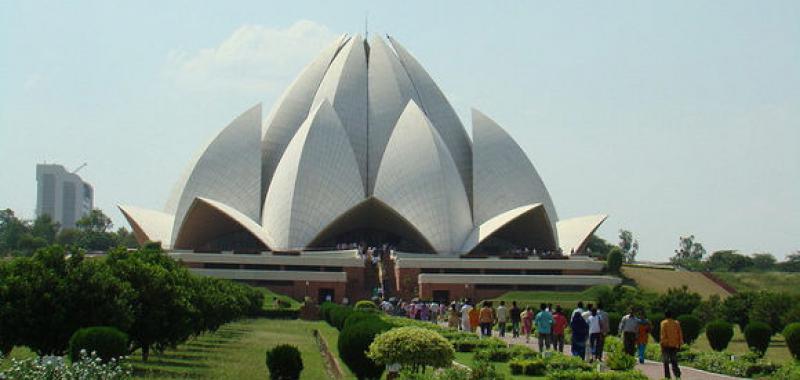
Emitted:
pixel 653 370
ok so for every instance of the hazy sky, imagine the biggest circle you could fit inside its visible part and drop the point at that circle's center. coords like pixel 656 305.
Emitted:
pixel 675 118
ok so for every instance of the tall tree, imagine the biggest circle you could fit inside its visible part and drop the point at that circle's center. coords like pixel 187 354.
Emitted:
pixel 95 221
pixel 628 245
pixel 12 231
pixel 689 253
pixel 45 228
pixel 598 247
pixel 764 261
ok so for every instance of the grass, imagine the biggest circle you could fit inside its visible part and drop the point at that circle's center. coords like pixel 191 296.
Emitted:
pixel 774 281
pixel 567 300
pixel 777 351
pixel 237 351
pixel 269 302
pixel 660 280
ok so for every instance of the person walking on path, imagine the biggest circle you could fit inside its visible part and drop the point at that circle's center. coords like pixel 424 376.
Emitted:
pixel 486 318
pixel 473 319
pixel 671 341
pixel 580 330
pixel 642 336
pixel 578 310
pixel 544 328
pixel 595 335
pixel 515 319
pixel 502 318
pixel 454 317
pixel 465 320
pixel 629 327
pixel 559 324
pixel 527 323
pixel 605 329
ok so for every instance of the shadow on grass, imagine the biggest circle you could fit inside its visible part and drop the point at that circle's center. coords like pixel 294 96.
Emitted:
pixel 164 373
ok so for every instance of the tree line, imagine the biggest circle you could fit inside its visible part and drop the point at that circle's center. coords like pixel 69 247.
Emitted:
pixel 691 255
pixel 46 297
pixel 93 232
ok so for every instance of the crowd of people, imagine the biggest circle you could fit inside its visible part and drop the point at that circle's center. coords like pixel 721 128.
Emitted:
pixel 588 325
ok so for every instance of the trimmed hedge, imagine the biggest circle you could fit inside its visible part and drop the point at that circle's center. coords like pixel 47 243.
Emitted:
pixel 354 341
pixel 719 334
pixel 365 304
pixel 792 335
pixel 284 362
pixel 280 314
pixel 493 354
pixel 107 342
pixel 758 334
pixel 691 327
pixel 359 316
pixel 338 315
pixel 531 367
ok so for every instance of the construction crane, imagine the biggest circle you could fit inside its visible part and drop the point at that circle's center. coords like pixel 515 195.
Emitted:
pixel 79 168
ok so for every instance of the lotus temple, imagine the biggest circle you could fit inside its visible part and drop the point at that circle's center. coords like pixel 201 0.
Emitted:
pixel 362 176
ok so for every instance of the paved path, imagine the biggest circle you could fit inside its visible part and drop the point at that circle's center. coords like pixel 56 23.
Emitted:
pixel 653 370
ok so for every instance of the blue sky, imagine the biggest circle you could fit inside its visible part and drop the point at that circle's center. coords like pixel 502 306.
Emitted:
pixel 675 118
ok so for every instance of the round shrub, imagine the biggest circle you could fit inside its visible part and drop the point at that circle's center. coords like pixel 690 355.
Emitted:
pixel 613 322
pixel 106 342
pixel 719 334
pixel 365 304
pixel 758 334
pixel 354 341
pixel 691 327
pixel 339 315
pixel 413 348
pixel 284 362
pixel 358 317
pixel 655 326
pixel 792 335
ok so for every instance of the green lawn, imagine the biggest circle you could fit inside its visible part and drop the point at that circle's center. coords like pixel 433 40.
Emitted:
pixel 774 281
pixel 777 351
pixel 269 302
pixel 567 300
pixel 237 351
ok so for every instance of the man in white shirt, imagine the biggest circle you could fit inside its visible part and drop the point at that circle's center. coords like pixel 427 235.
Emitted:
pixel 595 335
pixel 502 318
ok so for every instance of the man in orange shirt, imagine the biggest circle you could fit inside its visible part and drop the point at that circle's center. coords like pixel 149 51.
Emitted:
pixel 671 341
pixel 486 319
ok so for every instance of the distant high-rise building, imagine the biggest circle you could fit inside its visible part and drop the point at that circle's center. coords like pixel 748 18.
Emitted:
pixel 61 194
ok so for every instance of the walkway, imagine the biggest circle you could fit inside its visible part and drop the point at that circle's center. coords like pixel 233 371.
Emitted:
pixel 653 370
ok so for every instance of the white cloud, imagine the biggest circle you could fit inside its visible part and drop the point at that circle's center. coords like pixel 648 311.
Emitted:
pixel 33 81
pixel 254 58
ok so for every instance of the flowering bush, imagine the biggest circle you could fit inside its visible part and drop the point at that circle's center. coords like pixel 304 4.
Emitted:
pixel 90 366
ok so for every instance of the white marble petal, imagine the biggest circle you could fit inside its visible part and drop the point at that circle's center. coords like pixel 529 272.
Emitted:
pixel 345 87
pixel 291 110
pixel 229 170
pixel 440 113
pixel 208 218
pixel 149 225
pixel 420 181
pixel 316 181
pixel 527 226
pixel 503 176
pixel 573 233
pixel 390 89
